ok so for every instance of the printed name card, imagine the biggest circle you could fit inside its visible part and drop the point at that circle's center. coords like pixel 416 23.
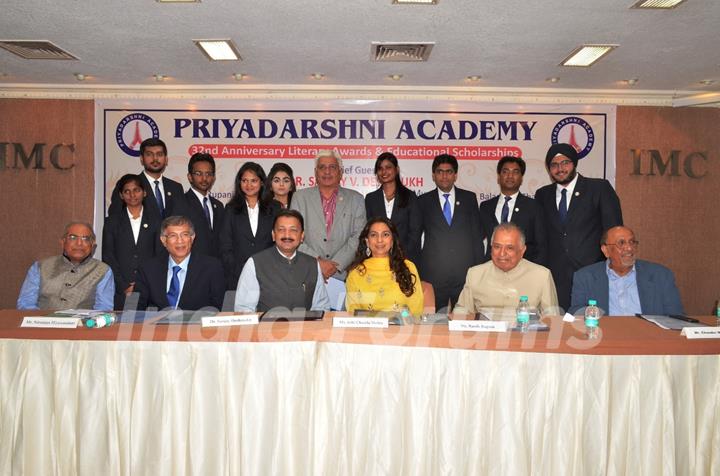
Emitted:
pixel 701 332
pixel 234 320
pixel 367 322
pixel 51 322
pixel 478 326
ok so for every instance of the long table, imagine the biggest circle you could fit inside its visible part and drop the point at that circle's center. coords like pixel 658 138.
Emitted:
pixel 307 398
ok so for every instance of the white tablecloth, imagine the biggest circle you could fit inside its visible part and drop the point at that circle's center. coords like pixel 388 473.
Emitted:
pixel 207 408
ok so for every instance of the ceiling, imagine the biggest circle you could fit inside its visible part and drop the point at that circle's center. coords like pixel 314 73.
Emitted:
pixel 514 45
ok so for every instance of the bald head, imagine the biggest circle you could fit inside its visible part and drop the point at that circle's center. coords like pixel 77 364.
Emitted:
pixel 619 245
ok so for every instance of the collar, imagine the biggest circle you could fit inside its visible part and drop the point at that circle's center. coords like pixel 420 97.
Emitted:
pixel 283 254
pixel 441 194
pixel 183 264
pixel 570 187
pixel 612 275
pixel 199 195
pixel 152 180
pixel 68 261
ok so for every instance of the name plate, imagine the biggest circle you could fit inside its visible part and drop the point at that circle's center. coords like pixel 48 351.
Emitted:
pixel 234 320
pixel 701 332
pixel 51 322
pixel 367 322
pixel 478 326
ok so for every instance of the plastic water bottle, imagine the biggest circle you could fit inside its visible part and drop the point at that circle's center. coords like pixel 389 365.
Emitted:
pixel 101 320
pixel 523 314
pixel 592 319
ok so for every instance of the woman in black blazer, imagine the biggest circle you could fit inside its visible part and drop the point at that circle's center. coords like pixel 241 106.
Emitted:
pixel 280 184
pixel 122 249
pixel 238 242
pixel 400 201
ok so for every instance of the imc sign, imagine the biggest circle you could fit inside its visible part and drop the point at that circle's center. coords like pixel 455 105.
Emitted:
pixel 650 162
pixel 16 156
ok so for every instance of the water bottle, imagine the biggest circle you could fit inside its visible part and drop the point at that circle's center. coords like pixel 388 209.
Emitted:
pixel 717 313
pixel 592 319
pixel 523 314
pixel 101 320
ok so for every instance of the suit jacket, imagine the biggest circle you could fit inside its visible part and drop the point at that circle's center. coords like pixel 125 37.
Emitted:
pixel 348 223
pixel 594 208
pixel 207 241
pixel 529 217
pixel 406 219
pixel 123 255
pixel 656 288
pixel 204 284
pixel 237 242
pixel 174 199
pixel 450 250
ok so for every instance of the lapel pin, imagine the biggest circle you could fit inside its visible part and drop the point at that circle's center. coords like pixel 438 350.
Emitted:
pixel 457 204
pixel 517 209
pixel 169 194
pixel 145 225
pixel 577 194
pixel 340 199
pixel 214 205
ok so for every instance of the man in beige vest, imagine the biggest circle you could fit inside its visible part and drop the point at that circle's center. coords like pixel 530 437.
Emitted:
pixel 73 280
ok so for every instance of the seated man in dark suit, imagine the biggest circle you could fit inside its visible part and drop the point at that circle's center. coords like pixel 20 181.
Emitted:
pixel 513 206
pixel 624 285
pixel 184 280
pixel 204 211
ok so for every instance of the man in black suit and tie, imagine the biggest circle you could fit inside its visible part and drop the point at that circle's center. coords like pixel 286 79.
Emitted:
pixel 513 206
pixel 453 233
pixel 184 280
pixel 577 210
pixel 164 197
pixel 204 211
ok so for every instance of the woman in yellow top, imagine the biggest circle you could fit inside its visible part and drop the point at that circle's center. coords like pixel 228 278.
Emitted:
pixel 380 278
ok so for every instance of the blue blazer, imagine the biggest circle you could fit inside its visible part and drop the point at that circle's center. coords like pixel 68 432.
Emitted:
pixel 656 288
pixel 204 284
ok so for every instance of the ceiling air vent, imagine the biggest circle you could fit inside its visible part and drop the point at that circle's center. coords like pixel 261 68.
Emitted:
pixel 399 52
pixel 43 50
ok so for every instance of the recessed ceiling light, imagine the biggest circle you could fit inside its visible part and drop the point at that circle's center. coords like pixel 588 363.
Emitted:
pixel 418 2
pixel 554 79
pixel 631 81
pixel 657 4
pixel 160 78
pixel 317 76
pixel 80 76
pixel 395 77
pixel 587 55
pixel 708 82
pixel 239 76
pixel 474 77
pixel 218 50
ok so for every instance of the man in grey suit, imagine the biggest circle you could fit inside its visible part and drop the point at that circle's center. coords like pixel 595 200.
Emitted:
pixel 334 217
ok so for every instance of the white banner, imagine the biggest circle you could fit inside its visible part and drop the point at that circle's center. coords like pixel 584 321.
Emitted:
pixel 293 131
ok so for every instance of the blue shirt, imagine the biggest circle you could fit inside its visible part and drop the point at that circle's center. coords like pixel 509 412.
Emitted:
pixel 181 274
pixel 30 291
pixel 248 290
pixel 623 297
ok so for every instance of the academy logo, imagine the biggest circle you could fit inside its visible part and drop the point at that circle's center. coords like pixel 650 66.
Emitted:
pixel 576 132
pixel 132 130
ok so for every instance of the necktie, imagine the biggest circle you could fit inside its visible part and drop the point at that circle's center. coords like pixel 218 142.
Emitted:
pixel 159 198
pixel 562 209
pixel 207 212
pixel 505 210
pixel 446 209
pixel 174 292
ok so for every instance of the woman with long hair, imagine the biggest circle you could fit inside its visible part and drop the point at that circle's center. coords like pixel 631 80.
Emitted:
pixel 380 278
pixel 280 184
pixel 129 237
pixel 247 228
pixel 396 202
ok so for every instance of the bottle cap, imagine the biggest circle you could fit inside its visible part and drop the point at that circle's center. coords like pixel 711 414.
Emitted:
pixel 524 298
pixel 592 302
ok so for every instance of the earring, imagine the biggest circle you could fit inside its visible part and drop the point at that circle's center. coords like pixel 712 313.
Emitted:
pixel 368 252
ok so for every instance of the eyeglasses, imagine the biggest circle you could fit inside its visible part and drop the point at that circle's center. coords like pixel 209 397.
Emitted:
pixel 199 174
pixel 562 163
pixel 621 243
pixel 83 238
pixel 177 236
pixel 330 167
